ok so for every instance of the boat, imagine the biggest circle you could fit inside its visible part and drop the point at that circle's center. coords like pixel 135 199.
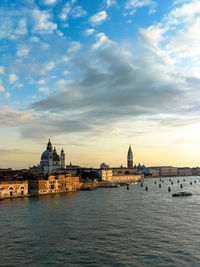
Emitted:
pixel 111 186
pixel 182 194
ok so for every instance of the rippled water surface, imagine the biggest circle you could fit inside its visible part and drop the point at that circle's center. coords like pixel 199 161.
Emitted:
pixel 105 227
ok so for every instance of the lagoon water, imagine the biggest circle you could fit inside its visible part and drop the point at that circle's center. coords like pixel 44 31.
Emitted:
pixel 105 227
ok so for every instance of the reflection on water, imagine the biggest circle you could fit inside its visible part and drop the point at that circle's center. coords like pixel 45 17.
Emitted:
pixel 105 227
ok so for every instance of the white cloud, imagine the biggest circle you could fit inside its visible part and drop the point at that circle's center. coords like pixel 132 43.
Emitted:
pixel 65 11
pixel 98 18
pixel 2 89
pixel 2 69
pixel 23 50
pixel 134 4
pixel 34 39
pixel 13 118
pixel 186 42
pixel 22 27
pixel 7 95
pixel 78 12
pixel 110 3
pixel 19 85
pixel 102 39
pixel 45 46
pixel 88 32
pixel 49 66
pixel 12 78
pixel 42 23
pixel 74 47
pixel 177 37
pixel 44 89
pixel 65 72
pixel 41 81
pixel 186 10
pixel 75 12
pixel 59 33
pixel 61 83
pixel 65 58
pixel 49 2
pixel 153 35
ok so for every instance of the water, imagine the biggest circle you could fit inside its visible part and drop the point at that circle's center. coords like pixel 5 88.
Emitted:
pixel 105 227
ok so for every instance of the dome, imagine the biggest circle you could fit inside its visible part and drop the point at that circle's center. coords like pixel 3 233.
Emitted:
pixel 56 157
pixel 45 155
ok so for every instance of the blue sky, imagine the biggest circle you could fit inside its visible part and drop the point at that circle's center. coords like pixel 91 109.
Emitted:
pixel 98 75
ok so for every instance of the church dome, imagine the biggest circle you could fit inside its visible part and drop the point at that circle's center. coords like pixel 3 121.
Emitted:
pixel 56 157
pixel 45 155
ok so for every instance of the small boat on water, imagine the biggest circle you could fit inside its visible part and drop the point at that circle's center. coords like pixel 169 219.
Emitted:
pixel 182 194
pixel 111 186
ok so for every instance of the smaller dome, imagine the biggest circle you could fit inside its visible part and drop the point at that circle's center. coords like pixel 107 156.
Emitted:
pixel 45 155
pixel 56 157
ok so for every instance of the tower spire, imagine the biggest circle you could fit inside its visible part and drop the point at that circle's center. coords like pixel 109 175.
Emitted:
pixel 49 146
pixel 130 158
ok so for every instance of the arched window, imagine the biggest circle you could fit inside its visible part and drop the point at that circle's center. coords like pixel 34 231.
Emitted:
pixel 11 188
pixel 22 188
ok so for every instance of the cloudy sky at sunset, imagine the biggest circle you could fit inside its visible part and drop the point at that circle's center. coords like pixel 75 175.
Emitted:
pixel 96 76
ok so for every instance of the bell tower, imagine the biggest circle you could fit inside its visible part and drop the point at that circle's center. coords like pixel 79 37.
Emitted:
pixel 62 156
pixel 130 158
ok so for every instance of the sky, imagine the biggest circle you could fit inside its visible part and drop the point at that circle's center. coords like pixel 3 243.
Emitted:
pixel 96 76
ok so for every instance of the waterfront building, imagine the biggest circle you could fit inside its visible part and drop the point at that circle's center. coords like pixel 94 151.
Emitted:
pixel 196 171
pixel 184 171
pixel 10 189
pixel 166 171
pixel 152 172
pixel 58 183
pixel 51 161
pixel 105 174
pixel 123 170
pixel 127 178
pixel 73 169
pixel 130 158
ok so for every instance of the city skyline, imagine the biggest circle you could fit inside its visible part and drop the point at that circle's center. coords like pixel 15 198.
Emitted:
pixel 96 76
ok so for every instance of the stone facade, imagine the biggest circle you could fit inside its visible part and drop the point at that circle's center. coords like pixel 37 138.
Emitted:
pixel 106 175
pixel 55 184
pixel 9 189
pixel 184 171
pixel 126 178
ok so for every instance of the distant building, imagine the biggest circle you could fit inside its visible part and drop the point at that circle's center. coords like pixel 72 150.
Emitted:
pixel 105 174
pixel 104 166
pixel 9 174
pixel 152 172
pixel 73 169
pixel 127 178
pixel 130 158
pixel 123 170
pixel 123 177
pixel 51 160
pixel 10 189
pixel 165 171
pixel 184 171
pixel 58 183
